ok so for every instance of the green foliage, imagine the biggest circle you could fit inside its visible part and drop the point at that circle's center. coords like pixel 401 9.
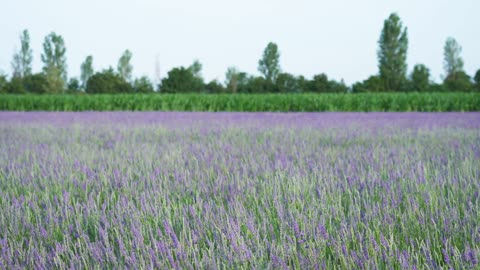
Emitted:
pixel 437 87
pixel 181 80
pixel 32 83
pixel 15 86
pixel 214 87
pixel 143 85
pixel 452 61
pixel 107 82
pixel 420 78
pixel 55 62
pixel 458 81
pixel 3 83
pixel 365 102
pixel 235 79
pixel 22 60
pixel 36 83
pixel 303 83
pixel 476 78
pixel 372 84
pixel 124 67
pixel 392 54
pixel 321 84
pixel 73 85
pixel 269 65
pixel 55 81
pixel 258 85
pixel 287 83
pixel 86 71
pixel 338 87
pixel 196 69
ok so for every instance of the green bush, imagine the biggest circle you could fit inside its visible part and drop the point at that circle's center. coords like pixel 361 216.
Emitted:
pixel 143 85
pixel 3 83
pixel 458 81
pixel 181 80
pixel 107 82
pixel 36 83
pixel 363 102
pixel 15 86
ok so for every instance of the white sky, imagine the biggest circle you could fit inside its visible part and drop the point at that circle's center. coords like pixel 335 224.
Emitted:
pixel 338 38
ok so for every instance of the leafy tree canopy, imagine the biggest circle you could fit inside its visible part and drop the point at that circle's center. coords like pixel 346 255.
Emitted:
pixel 269 64
pixel 420 78
pixel 392 54
pixel 109 82
pixel 143 85
pixel 181 80
pixel 22 60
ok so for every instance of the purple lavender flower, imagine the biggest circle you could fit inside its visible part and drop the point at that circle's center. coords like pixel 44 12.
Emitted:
pixel 211 191
pixel 171 233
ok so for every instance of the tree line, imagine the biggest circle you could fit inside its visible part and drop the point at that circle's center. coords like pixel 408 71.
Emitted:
pixel 392 75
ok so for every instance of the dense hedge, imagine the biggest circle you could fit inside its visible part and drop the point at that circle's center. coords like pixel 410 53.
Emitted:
pixel 433 102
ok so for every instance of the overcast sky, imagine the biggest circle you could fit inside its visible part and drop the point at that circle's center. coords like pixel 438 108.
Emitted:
pixel 338 38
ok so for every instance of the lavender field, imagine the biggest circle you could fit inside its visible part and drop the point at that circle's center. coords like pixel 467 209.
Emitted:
pixel 239 190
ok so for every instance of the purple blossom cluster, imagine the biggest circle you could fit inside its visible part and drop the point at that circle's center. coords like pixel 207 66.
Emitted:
pixel 239 190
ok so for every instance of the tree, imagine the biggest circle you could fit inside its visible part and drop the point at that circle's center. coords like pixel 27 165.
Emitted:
pixel 73 85
pixel 124 67
pixel 143 85
pixel 55 63
pixel 234 79
pixel 181 80
pixel 458 81
pixel 287 83
pixel 86 71
pixel 437 87
pixel 269 65
pixel 22 60
pixel 15 86
pixel 3 83
pixel 214 87
pixel 55 80
pixel 109 82
pixel 258 85
pixel 337 87
pixel 477 80
pixel 196 69
pixel 392 54
pixel 420 78
pixel 452 61
pixel 455 78
pixel 319 83
pixel 303 84
pixel 36 83
pixel 372 84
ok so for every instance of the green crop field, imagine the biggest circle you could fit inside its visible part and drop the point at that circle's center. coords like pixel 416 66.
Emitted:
pixel 394 102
